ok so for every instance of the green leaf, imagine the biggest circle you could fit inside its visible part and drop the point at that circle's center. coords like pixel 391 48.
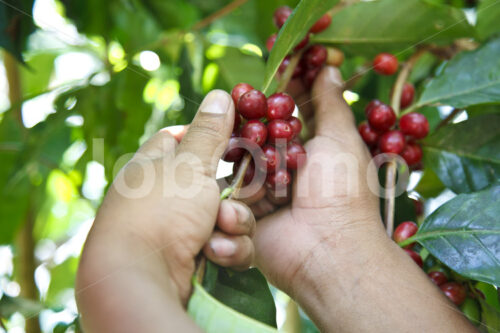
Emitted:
pixel 36 76
pixel 466 156
pixel 14 191
pixel 16 25
pixel 246 292
pixel 11 305
pixel 488 13
pixel 62 277
pixel 231 71
pixel 470 78
pixel 296 27
pixel 429 186
pixel 393 25
pixel 214 317
pixel 490 317
pixel 464 234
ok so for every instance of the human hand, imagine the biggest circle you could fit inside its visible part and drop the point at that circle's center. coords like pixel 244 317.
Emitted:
pixel 328 248
pixel 158 215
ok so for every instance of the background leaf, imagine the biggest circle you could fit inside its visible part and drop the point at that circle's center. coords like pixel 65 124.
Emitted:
pixel 488 13
pixel 246 292
pixel 296 27
pixel 470 78
pixel 215 317
pixel 466 156
pixel 464 234
pixel 393 25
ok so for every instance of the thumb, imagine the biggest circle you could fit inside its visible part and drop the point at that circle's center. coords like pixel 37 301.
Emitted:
pixel 333 117
pixel 210 130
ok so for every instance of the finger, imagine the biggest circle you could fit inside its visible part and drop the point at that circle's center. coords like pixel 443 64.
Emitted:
pixel 162 144
pixel 177 131
pixel 230 251
pixel 209 132
pixel 235 218
pixel 254 197
pixel 333 116
pixel 262 208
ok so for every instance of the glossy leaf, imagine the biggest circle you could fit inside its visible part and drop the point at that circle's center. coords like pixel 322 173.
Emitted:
pixel 466 156
pixel 214 317
pixel 490 317
pixel 246 292
pixel 470 78
pixel 295 29
pixel 393 26
pixel 464 234
pixel 488 13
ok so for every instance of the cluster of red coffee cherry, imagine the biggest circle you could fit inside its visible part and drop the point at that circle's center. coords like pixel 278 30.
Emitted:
pixel 379 132
pixel 270 133
pixel 455 291
pixel 314 57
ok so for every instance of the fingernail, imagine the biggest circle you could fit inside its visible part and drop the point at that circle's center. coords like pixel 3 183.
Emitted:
pixel 216 102
pixel 334 76
pixel 223 247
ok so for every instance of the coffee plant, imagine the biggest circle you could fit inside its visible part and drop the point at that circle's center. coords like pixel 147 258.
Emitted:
pixel 86 82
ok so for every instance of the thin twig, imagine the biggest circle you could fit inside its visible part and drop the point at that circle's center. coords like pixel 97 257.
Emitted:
pixel 14 80
pixel 390 177
pixel 218 14
pixel 288 73
pixel 449 118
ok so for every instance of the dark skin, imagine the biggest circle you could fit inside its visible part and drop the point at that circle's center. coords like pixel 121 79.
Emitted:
pixel 342 269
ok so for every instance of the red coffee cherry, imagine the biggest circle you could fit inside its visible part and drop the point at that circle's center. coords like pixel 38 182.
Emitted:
pixel 407 95
pixel 252 104
pixel 281 15
pixel 234 151
pixel 381 117
pixel 385 64
pixel 412 153
pixel 249 172
pixel 255 131
pixel 321 24
pixel 374 151
pixel 392 142
pixel 415 256
pixel 419 207
pixel 369 135
pixel 302 43
pixel 309 76
pixel 270 42
pixel 279 129
pixel 239 90
pixel 278 180
pixel 280 106
pixel 297 71
pixel 454 291
pixel 315 56
pixel 404 231
pixel 437 277
pixel 271 158
pixel 296 125
pixel 414 124
pixel 371 106
pixel 237 122
pixel 295 154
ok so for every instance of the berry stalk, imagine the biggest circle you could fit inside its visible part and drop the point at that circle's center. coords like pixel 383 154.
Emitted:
pixel 390 176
